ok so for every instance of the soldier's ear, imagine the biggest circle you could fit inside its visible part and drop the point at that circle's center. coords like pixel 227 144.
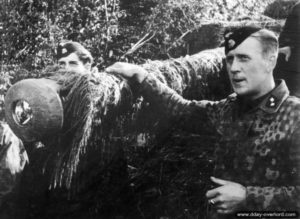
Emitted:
pixel 273 61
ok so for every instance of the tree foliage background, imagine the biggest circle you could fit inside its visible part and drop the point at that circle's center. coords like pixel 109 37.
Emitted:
pixel 31 29
pixel 113 30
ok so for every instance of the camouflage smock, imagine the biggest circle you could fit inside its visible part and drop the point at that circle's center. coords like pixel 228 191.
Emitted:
pixel 258 148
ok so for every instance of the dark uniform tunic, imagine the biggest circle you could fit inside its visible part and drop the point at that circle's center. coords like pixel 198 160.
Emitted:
pixel 290 36
pixel 258 147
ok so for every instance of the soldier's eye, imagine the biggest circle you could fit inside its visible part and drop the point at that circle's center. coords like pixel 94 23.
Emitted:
pixel 229 59
pixel 61 63
pixel 73 63
pixel 244 58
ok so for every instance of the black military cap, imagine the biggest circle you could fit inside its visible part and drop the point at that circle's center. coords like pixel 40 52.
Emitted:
pixel 235 37
pixel 66 48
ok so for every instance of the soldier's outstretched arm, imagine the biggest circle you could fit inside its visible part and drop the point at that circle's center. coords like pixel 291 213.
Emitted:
pixel 166 99
pixel 128 71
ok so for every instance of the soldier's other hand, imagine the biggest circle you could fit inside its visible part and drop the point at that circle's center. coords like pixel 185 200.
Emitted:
pixel 286 51
pixel 128 71
pixel 228 197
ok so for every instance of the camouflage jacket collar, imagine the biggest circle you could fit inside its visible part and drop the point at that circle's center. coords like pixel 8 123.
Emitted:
pixel 276 97
pixel 273 100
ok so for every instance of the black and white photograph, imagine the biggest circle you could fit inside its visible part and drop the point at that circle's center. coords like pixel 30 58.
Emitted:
pixel 149 109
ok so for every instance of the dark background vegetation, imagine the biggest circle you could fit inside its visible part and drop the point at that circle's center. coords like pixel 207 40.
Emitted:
pixel 31 29
pixel 113 30
pixel 170 179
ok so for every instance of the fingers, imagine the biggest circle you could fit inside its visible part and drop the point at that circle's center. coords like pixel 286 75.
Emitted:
pixel 217 201
pixel 287 57
pixel 211 202
pixel 115 68
pixel 128 70
pixel 218 181
pixel 214 202
pixel 212 193
pixel 219 206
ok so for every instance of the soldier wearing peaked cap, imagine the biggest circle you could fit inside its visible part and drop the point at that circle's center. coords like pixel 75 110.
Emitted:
pixel 257 157
pixel 72 56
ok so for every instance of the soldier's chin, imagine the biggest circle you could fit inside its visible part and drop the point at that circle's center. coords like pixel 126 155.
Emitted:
pixel 247 94
pixel 238 90
pixel 73 72
pixel 241 91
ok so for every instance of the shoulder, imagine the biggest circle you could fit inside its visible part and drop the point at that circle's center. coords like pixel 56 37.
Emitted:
pixel 291 103
pixel 289 111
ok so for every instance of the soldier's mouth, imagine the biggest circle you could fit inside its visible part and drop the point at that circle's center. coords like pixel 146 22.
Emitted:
pixel 238 81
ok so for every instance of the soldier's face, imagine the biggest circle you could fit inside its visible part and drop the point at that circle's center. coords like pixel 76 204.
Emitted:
pixel 72 63
pixel 248 69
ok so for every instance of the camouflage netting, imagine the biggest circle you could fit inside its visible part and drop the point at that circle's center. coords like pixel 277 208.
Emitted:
pixel 101 107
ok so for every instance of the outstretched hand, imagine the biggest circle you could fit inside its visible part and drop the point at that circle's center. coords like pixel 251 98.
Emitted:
pixel 228 197
pixel 128 71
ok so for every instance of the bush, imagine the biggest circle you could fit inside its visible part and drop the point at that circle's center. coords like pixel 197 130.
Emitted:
pixel 113 30
pixel 171 21
pixel 280 9
pixel 109 28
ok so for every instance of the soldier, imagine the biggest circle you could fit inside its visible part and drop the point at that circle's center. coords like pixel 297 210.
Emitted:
pixel 288 66
pixel 93 190
pixel 257 157
pixel 72 56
